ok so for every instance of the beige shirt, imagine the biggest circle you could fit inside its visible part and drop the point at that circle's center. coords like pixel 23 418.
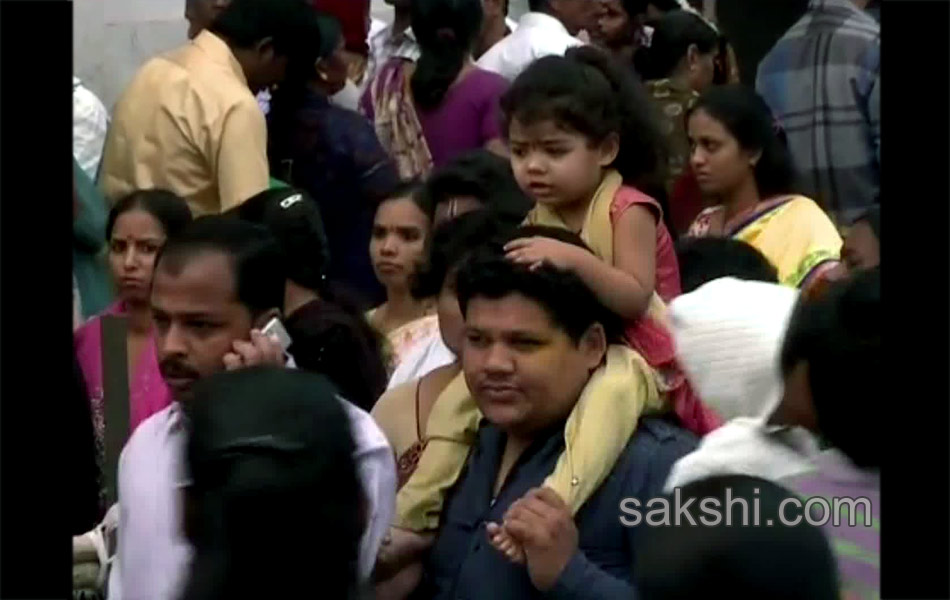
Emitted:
pixel 189 123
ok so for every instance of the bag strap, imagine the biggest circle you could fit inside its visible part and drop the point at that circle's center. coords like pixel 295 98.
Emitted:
pixel 115 388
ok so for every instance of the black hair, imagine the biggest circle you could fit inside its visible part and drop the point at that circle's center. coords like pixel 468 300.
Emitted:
pixel 568 301
pixel 341 345
pixel 748 119
pixel 288 23
pixel 664 5
pixel 588 92
pixel 838 336
pixel 258 264
pixel 634 8
pixel 324 36
pixel 446 31
pixel 412 189
pixel 168 208
pixel 873 218
pixel 268 479
pixel 451 243
pixel 740 560
pixel 485 176
pixel 538 5
pixel 293 218
pixel 672 37
pixel 705 259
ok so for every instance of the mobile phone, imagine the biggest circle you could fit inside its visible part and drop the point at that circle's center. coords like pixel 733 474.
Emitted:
pixel 275 329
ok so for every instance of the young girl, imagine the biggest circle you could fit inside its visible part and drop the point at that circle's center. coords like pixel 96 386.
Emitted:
pixel 579 129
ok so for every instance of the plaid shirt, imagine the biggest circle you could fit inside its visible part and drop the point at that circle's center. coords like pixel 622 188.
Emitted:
pixel 822 82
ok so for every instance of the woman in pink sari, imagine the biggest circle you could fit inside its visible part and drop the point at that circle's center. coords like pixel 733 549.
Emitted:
pixel 137 227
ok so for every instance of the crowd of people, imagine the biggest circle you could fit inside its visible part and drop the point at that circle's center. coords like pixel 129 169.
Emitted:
pixel 442 308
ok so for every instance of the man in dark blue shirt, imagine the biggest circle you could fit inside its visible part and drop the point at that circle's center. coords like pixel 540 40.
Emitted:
pixel 534 335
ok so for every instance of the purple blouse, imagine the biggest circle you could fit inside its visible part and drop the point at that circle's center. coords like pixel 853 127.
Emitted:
pixel 467 118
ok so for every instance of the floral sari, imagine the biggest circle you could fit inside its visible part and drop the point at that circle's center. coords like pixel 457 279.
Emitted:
pixel 396 121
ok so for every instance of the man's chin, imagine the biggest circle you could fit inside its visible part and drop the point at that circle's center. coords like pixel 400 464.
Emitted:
pixel 503 417
pixel 181 389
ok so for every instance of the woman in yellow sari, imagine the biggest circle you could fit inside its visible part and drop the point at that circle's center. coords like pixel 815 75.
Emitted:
pixel 740 160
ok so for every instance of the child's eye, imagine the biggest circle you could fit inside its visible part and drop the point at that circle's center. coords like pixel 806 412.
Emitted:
pixel 557 151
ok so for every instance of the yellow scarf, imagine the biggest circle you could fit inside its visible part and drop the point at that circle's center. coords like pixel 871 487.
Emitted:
pixel 597 231
pixel 617 394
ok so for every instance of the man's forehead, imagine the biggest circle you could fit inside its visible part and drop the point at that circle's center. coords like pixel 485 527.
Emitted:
pixel 204 278
pixel 511 313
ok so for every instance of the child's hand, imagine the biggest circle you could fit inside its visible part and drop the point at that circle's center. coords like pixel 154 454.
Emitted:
pixel 542 524
pixel 504 543
pixel 535 251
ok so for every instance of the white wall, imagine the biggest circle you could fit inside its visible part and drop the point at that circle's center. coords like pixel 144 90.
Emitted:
pixel 112 38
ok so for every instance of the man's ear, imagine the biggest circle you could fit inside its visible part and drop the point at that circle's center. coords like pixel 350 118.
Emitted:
pixel 692 56
pixel 265 317
pixel 594 346
pixel 265 47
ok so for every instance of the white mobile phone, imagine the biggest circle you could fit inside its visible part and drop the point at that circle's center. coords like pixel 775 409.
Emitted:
pixel 275 329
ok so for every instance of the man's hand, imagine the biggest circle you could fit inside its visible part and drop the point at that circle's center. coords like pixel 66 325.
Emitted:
pixel 261 350
pixel 542 523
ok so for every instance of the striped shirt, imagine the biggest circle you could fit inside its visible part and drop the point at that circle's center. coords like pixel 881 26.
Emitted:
pixel 822 82
pixel 858 547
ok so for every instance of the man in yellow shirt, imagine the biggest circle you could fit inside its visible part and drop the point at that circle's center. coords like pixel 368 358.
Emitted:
pixel 188 122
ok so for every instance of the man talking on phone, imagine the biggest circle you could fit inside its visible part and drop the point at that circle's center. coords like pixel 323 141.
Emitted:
pixel 216 286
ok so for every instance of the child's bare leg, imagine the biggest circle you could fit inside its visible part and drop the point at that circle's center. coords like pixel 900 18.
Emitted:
pixel 505 543
pixel 401 547
pixel 401 584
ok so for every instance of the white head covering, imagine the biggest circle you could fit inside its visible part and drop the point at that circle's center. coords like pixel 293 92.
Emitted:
pixel 728 335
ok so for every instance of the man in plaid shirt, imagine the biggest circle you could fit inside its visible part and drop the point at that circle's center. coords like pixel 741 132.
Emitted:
pixel 822 81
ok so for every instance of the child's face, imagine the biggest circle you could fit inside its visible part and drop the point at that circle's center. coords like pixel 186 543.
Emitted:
pixel 555 166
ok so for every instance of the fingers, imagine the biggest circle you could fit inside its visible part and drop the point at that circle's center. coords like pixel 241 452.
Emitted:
pixel 535 505
pixel 248 353
pixel 232 361
pixel 268 348
pixel 518 244
pixel 502 541
pixel 260 350
pixel 522 251
pixel 522 529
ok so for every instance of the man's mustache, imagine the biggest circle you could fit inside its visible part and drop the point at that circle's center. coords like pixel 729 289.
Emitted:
pixel 174 369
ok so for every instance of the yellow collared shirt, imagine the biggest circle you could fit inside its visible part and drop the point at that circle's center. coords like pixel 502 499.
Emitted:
pixel 189 123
